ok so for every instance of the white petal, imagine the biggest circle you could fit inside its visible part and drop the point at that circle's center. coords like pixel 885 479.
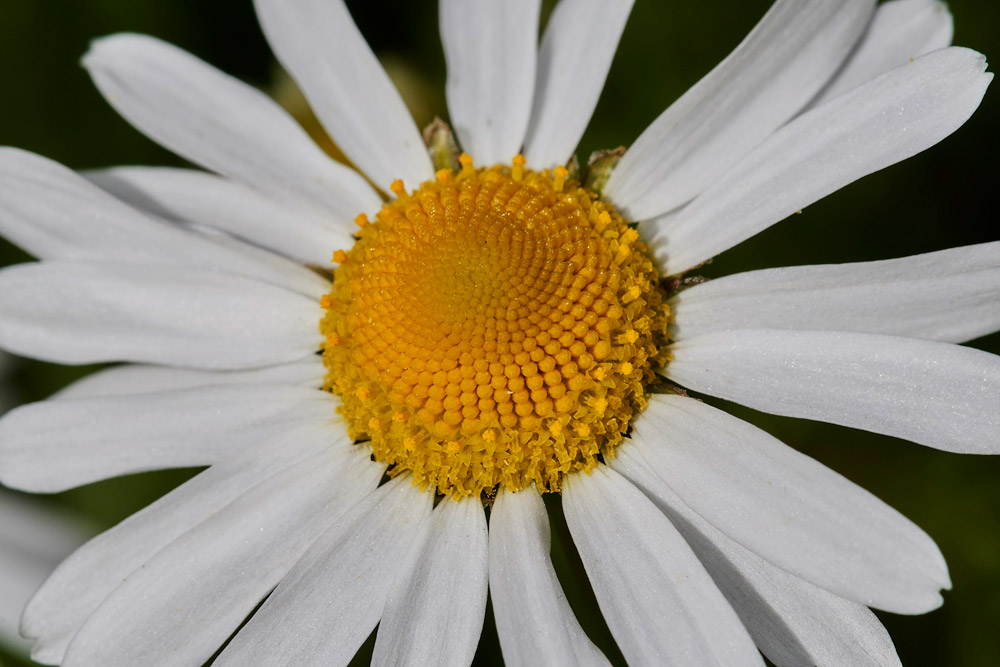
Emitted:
pixel 267 266
pixel 935 394
pixel 318 43
pixel 899 30
pixel 54 213
pixel 659 602
pixel 292 228
pixel 490 49
pixel 573 62
pixel 85 579
pixel 355 564
pixel 889 119
pixel 789 508
pixel 56 445
pixel 434 614
pixel 952 295
pixel 792 622
pixel 220 123
pixel 133 379
pixel 78 313
pixel 33 539
pixel 20 574
pixel 534 620
pixel 180 607
pixel 772 74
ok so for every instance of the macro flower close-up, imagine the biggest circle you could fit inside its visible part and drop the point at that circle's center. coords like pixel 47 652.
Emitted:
pixel 411 365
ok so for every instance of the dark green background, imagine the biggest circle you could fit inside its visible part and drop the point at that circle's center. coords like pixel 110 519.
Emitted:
pixel 942 198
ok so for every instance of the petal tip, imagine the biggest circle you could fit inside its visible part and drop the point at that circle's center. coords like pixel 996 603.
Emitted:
pixel 102 49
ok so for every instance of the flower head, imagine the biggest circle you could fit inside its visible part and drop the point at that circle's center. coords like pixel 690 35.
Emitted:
pixel 495 325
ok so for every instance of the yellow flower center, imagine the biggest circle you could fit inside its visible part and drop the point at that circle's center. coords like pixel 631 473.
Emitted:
pixel 495 327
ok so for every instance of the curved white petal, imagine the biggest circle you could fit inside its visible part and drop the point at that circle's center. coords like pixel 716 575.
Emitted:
pixel 131 379
pixel 792 622
pixel 573 61
pixel 434 614
pixel 55 214
pixel 318 43
pixel 291 228
pixel 220 123
pixel 935 394
pixel 899 30
pixel 355 563
pixel 491 49
pixel 952 295
pixel 86 578
pixel 789 508
pixel 33 539
pixel 263 264
pixel 180 607
pixel 78 313
pixel 56 445
pixel 20 575
pixel 659 602
pixel 533 618
pixel 889 119
pixel 770 76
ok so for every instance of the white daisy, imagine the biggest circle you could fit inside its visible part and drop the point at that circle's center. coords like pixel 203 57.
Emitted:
pixel 492 333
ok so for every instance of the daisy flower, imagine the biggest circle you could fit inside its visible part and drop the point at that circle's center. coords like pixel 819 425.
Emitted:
pixel 497 323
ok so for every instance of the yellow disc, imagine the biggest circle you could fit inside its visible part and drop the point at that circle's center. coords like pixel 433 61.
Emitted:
pixel 495 327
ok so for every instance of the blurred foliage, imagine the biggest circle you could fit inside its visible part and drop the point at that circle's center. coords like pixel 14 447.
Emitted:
pixel 939 199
